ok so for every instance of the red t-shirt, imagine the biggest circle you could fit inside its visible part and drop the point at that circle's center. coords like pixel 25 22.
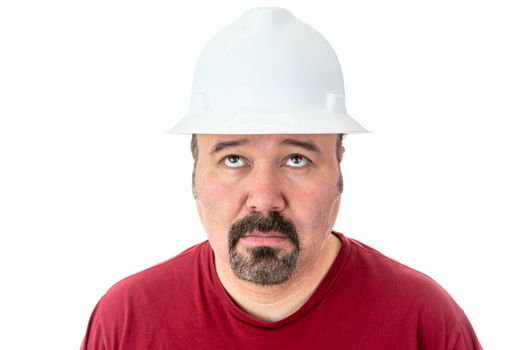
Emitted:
pixel 366 301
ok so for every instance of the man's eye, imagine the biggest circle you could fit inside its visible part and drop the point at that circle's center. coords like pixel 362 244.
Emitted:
pixel 296 161
pixel 233 161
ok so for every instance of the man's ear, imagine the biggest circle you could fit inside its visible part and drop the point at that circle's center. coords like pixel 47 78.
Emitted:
pixel 341 154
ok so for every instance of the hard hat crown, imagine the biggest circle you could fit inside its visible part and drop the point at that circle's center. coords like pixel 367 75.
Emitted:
pixel 267 73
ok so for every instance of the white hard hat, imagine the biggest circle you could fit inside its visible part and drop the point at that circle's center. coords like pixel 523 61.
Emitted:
pixel 267 73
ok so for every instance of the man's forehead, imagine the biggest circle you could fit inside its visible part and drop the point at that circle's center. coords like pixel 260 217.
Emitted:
pixel 309 142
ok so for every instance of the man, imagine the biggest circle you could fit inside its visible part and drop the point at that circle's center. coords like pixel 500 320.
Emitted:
pixel 267 120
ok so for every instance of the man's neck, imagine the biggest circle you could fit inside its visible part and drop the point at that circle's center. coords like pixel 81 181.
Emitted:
pixel 276 302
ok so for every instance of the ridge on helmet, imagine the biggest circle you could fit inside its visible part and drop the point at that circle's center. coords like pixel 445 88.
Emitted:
pixel 267 73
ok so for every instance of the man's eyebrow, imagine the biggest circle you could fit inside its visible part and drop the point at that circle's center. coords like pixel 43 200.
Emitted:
pixel 307 145
pixel 219 146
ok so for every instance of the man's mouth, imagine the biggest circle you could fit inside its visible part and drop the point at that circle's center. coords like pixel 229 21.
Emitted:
pixel 264 238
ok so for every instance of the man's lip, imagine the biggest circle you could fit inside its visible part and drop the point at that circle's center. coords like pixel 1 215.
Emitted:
pixel 267 239
pixel 265 234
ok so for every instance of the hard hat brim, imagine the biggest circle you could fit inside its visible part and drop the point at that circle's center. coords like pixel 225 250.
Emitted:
pixel 311 122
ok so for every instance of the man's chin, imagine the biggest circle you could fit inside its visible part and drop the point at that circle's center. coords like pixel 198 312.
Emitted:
pixel 263 265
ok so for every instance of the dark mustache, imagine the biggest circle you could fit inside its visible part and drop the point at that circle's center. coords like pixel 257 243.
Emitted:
pixel 258 222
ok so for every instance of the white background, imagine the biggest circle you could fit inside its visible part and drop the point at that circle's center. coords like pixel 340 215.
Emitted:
pixel 92 190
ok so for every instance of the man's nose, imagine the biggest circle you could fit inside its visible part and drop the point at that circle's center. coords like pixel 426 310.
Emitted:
pixel 264 188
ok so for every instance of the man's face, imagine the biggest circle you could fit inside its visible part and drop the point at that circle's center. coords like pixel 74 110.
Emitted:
pixel 267 202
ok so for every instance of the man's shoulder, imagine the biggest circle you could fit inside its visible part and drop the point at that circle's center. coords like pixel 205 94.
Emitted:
pixel 396 281
pixel 173 274
pixel 375 263
pixel 141 303
pixel 399 301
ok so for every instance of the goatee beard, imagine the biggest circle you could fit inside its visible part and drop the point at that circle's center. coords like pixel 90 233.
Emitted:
pixel 263 265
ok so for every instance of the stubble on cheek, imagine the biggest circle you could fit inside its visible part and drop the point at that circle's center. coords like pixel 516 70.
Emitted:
pixel 320 225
